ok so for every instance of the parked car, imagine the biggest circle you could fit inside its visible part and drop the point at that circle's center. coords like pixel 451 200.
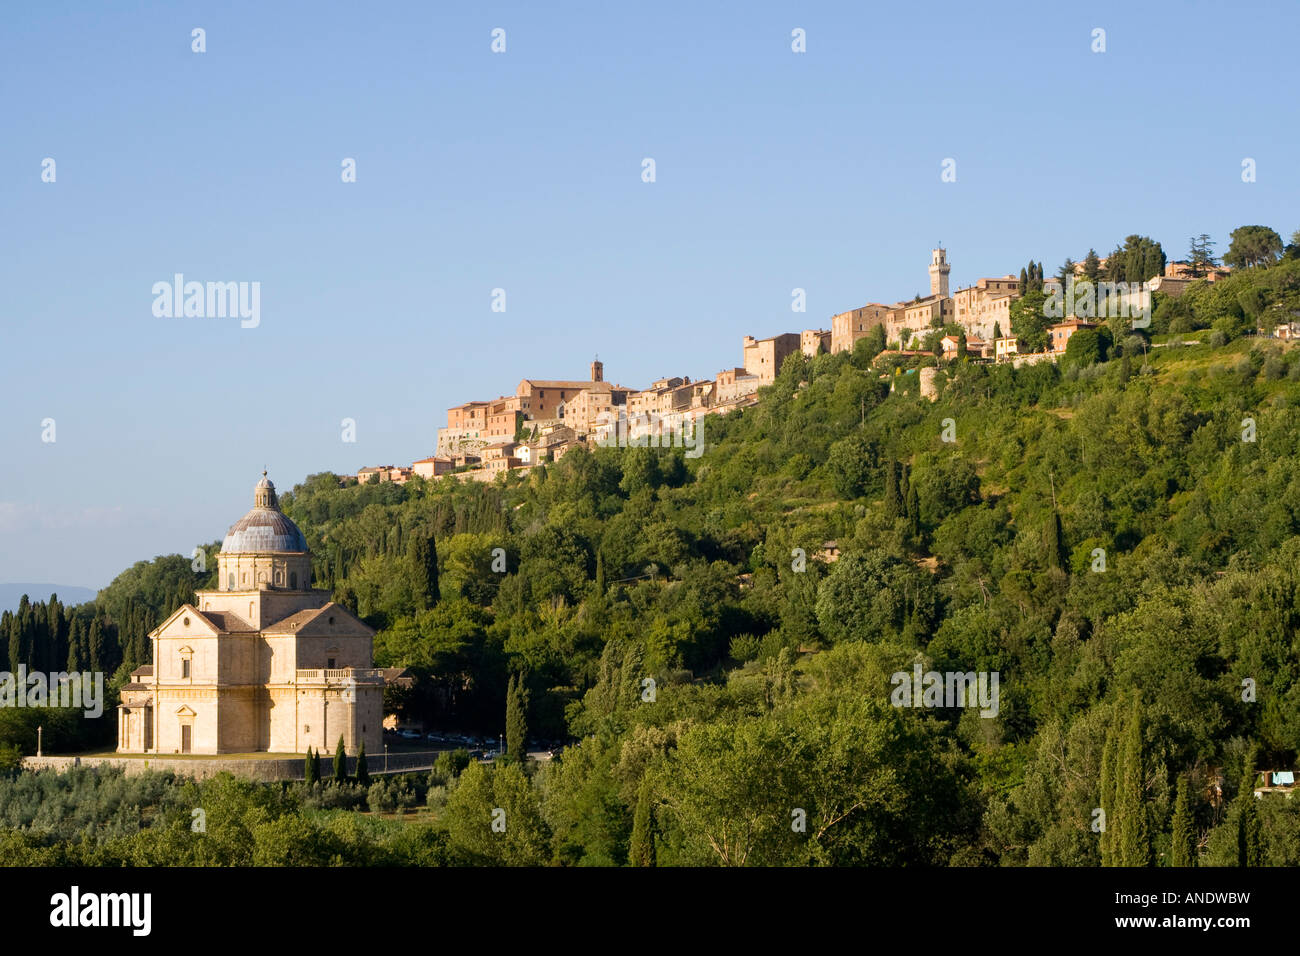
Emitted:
pixel 410 735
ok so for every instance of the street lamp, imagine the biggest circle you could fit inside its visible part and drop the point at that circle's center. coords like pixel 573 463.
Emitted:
pixel 38 741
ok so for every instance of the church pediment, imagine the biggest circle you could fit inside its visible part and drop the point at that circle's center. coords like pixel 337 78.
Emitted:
pixel 332 619
pixel 186 619
pixel 184 711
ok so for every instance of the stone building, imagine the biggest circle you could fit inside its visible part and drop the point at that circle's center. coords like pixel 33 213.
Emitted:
pixel 902 320
pixel 465 430
pixel 985 307
pixel 545 396
pixel 848 327
pixel 1058 335
pixel 433 467
pixel 263 663
pixel 584 410
pixel 504 416
pixel 734 384
pixel 763 357
pixel 812 341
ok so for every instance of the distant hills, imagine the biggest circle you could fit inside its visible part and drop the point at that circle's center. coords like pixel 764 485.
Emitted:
pixel 11 594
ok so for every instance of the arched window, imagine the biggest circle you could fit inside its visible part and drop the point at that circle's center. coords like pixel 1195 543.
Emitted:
pixel 293 580
pixel 230 581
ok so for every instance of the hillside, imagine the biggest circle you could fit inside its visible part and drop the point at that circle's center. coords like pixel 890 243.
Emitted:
pixel 1099 535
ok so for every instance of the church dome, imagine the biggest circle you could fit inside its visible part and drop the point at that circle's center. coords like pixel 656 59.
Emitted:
pixel 265 528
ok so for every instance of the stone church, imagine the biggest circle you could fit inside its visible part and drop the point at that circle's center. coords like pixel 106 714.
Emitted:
pixel 263 663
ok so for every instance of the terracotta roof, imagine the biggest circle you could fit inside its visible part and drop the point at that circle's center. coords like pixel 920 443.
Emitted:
pixel 228 622
pixel 144 670
pixel 294 621
pixel 555 383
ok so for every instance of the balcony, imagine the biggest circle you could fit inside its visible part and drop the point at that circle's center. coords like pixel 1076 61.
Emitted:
pixel 360 675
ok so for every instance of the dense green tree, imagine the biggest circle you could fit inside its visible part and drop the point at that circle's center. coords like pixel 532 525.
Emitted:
pixel 1065 274
pixel 1028 321
pixel 1200 255
pixel 1091 266
pixel 852 464
pixel 1252 246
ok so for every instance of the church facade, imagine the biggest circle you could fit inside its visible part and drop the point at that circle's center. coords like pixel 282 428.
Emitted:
pixel 264 663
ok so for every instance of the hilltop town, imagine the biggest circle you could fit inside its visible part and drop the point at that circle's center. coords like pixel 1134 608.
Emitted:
pixel 544 418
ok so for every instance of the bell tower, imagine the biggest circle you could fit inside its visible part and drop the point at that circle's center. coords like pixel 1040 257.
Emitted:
pixel 598 371
pixel 939 270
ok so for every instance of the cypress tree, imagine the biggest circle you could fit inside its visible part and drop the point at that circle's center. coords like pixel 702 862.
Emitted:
pixel 423 555
pixel 309 769
pixel 1250 838
pixel 913 513
pixel 1125 370
pixel 315 764
pixel 340 763
pixel 1183 849
pixel 96 651
pixel 75 637
pixel 1109 755
pixel 1134 837
pixel 1057 555
pixel 516 718
pixel 57 651
pixel 1023 285
pixel 600 574
pixel 893 502
pixel 363 772
pixel 641 848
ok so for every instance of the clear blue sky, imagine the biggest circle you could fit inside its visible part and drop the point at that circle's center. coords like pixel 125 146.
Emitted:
pixel 523 171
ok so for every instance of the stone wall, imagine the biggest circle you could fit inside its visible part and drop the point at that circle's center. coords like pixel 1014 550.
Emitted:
pixel 265 769
pixel 929 388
